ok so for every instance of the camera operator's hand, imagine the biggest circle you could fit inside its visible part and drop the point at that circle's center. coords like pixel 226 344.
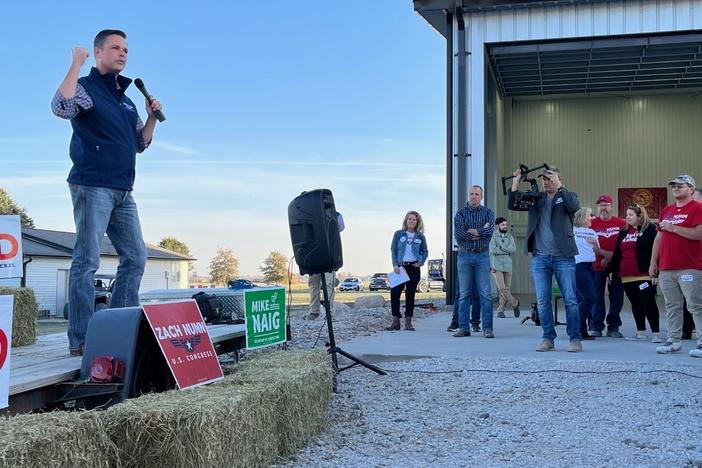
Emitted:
pixel 554 178
pixel 517 178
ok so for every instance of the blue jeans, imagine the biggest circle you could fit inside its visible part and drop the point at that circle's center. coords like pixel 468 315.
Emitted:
pixel 474 273
pixel 97 211
pixel 584 276
pixel 616 302
pixel 543 269
pixel 474 305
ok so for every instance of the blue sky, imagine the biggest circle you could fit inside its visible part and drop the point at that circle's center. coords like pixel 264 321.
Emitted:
pixel 263 100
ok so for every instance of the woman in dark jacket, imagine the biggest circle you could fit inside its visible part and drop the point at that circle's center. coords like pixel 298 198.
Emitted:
pixel 409 251
pixel 630 261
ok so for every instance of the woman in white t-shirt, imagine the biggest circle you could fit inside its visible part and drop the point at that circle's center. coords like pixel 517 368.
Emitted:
pixel 588 247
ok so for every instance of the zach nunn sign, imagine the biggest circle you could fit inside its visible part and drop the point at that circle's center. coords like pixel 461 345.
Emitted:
pixel 183 338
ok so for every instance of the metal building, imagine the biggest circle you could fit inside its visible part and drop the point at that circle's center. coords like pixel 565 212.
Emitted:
pixel 608 91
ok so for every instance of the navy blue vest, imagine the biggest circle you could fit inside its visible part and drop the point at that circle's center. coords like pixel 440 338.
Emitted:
pixel 105 141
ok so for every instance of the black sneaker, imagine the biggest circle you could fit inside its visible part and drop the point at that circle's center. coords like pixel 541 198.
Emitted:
pixel 461 333
pixel 516 310
pixel 475 328
pixel 614 333
pixel 452 328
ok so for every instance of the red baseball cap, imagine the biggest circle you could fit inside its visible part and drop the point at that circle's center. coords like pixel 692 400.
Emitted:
pixel 604 198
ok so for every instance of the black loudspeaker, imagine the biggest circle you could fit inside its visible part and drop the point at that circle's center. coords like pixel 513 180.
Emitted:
pixel 314 232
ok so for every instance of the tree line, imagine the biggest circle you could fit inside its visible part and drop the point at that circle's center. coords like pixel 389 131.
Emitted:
pixel 223 267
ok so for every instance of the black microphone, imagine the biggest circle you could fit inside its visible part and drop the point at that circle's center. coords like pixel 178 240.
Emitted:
pixel 140 86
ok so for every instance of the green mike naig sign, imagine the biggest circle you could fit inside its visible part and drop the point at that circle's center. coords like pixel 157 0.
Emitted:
pixel 265 317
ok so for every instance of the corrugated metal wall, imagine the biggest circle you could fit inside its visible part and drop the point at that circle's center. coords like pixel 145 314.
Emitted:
pixel 553 22
pixel 594 19
pixel 601 144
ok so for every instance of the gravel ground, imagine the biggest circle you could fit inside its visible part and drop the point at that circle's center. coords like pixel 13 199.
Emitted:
pixel 487 412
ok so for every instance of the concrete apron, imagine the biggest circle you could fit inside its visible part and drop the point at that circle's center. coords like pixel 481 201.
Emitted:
pixel 512 340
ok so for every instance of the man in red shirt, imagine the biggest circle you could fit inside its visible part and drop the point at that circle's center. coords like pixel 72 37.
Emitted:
pixel 677 261
pixel 607 228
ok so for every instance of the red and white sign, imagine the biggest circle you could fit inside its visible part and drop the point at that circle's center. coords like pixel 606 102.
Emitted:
pixel 182 335
pixel 5 347
pixel 10 247
pixel 653 199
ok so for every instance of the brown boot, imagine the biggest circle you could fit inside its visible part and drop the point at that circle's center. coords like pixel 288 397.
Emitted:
pixel 395 325
pixel 408 324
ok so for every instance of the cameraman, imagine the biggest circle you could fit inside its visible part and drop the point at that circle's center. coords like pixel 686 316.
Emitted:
pixel 551 242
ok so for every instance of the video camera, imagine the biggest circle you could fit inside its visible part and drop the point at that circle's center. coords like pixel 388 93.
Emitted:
pixel 527 199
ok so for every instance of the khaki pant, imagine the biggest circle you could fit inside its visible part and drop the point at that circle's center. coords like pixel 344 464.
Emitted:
pixel 503 279
pixel 315 284
pixel 676 285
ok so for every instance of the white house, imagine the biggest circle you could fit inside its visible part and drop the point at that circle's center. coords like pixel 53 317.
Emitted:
pixel 609 91
pixel 48 254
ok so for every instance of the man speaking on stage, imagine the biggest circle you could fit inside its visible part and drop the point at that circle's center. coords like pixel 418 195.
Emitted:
pixel 107 135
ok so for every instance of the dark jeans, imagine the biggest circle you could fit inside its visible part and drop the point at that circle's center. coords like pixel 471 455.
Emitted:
pixel 616 301
pixel 585 284
pixel 643 304
pixel 414 275
pixel 474 306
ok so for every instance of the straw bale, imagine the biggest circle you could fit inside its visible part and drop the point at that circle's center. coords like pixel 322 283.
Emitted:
pixel 264 409
pixel 24 320
pixel 55 439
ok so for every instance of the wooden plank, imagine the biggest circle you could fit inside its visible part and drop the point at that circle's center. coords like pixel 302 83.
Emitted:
pixel 47 361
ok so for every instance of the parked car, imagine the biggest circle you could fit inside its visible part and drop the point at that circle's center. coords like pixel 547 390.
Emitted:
pixel 103 293
pixel 240 283
pixel 436 279
pixel 351 284
pixel 379 281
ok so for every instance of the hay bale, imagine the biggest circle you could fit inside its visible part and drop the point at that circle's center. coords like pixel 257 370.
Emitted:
pixel 370 301
pixel 24 317
pixel 56 439
pixel 265 408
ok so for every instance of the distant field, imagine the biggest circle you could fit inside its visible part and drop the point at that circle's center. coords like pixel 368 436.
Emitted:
pixel 301 295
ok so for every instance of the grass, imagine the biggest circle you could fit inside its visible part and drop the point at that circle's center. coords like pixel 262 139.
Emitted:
pixel 301 295
pixel 300 298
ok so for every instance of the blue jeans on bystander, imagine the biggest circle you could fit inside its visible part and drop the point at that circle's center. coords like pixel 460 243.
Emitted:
pixel 543 269
pixel 474 273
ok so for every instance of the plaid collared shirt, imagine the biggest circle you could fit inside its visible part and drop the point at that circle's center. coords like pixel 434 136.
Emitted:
pixel 480 218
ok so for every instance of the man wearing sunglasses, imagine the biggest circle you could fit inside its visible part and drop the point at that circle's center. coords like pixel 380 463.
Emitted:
pixel 677 262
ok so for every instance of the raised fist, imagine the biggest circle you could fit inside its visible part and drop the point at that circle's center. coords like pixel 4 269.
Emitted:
pixel 80 54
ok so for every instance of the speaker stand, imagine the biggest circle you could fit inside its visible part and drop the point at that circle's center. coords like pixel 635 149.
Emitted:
pixel 333 349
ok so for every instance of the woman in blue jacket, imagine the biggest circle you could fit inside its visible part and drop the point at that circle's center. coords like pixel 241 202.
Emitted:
pixel 409 251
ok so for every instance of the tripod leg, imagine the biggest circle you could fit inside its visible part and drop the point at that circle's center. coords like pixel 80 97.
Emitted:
pixel 360 361
pixel 333 350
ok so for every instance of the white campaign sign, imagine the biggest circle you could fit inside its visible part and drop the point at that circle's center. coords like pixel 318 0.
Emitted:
pixel 10 247
pixel 5 346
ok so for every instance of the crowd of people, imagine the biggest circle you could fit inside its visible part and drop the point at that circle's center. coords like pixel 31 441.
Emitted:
pixel 588 254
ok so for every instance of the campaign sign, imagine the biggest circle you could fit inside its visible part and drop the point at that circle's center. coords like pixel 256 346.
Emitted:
pixel 265 317
pixel 182 335
pixel 5 345
pixel 10 247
